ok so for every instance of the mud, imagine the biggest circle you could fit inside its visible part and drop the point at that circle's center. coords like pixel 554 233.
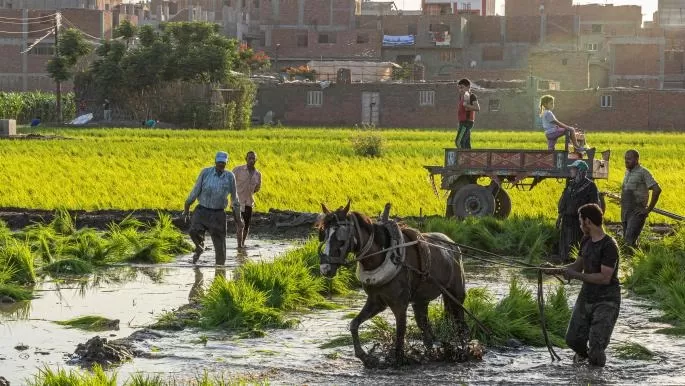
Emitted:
pixel 274 224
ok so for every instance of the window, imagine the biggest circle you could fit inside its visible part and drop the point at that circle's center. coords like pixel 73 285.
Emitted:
pixel 605 101
pixel 314 98
pixel 564 62
pixel 47 49
pixel 302 40
pixel 592 46
pixel 493 105
pixel 326 38
pixel 411 29
pixel 427 98
pixel 448 56
pixel 596 28
pixel 362 38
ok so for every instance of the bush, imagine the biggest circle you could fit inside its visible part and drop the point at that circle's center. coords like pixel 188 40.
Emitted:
pixel 367 143
pixel 24 106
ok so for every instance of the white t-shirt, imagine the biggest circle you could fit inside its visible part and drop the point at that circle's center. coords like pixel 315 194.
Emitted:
pixel 548 119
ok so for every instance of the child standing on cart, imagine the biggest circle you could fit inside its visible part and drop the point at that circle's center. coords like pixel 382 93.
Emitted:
pixel 554 129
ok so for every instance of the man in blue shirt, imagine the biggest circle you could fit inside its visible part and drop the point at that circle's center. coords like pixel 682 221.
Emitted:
pixel 211 190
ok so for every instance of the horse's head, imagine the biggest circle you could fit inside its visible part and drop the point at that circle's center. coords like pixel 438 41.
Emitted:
pixel 336 235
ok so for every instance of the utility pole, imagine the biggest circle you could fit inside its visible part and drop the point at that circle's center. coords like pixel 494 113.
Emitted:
pixel 58 22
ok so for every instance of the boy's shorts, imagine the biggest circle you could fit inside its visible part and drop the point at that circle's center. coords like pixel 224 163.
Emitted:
pixel 555 133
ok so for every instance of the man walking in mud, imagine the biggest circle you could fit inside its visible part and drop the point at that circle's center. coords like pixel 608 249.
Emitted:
pixel 249 181
pixel 637 183
pixel 211 189
pixel 597 306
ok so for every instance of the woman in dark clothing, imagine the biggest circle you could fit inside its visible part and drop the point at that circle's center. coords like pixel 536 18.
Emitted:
pixel 580 190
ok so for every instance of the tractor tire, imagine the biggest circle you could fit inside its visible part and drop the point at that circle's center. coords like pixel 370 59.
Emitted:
pixel 502 204
pixel 473 201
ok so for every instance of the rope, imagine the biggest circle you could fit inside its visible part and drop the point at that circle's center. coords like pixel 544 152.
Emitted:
pixel 543 320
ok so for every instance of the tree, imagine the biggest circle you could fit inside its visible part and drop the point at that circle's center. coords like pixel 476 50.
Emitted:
pixel 126 30
pixel 71 46
pixel 250 61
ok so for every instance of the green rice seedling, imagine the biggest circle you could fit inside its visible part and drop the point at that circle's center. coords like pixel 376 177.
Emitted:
pixel 15 292
pixel 60 377
pixel 5 233
pixel 16 256
pixel 164 229
pixel 44 239
pixel 68 266
pixel 91 323
pixel 634 351
pixel 63 223
pixel 237 304
pixel 676 331
pixel 88 245
pixel 146 380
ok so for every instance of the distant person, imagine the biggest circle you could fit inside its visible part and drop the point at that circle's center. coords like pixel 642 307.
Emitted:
pixel 579 191
pixel 211 189
pixel 249 181
pixel 151 123
pixel 466 113
pixel 598 303
pixel 555 129
pixel 107 111
pixel 35 122
pixel 637 183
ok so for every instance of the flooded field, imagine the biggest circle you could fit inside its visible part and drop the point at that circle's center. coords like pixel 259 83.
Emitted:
pixel 137 295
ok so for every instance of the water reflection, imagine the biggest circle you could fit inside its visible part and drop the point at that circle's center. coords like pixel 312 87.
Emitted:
pixel 17 311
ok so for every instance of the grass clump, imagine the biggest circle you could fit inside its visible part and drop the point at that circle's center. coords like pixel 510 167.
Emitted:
pixel 60 377
pixel 91 323
pixel 530 238
pixel 634 351
pixel 675 331
pixel 263 292
pixel 15 292
pixel 658 272
pixel 237 304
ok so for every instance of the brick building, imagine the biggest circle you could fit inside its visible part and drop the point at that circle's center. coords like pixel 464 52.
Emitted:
pixel 458 7
pixel 434 105
pixel 26 71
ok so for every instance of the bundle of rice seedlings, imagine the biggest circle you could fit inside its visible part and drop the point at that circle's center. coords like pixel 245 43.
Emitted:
pixel 91 323
pixel 634 351
pixel 15 292
pixel 16 257
pixel 237 304
pixel 68 266
pixel 60 377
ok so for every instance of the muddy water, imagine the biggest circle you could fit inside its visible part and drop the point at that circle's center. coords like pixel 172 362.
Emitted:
pixel 294 356
pixel 136 295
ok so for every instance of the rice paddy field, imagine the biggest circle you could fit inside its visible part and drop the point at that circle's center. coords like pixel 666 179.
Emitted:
pixel 301 167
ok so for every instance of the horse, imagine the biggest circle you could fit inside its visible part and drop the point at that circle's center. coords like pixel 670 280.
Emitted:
pixel 418 273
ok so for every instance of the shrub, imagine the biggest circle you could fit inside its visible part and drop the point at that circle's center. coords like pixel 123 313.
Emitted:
pixel 367 143
pixel 24 106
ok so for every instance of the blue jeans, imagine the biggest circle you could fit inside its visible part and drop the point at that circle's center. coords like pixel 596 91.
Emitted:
pixel 463 140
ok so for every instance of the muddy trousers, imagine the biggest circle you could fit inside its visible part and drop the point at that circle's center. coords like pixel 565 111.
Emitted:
pixel 632 227
pixel 590 328
pixel 214 222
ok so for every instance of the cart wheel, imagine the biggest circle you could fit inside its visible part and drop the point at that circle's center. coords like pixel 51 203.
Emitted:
pixel 449 209
pixel 473 200
pixel 502 204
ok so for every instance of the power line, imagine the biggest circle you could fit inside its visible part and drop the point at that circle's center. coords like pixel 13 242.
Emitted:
pixel 27 32
pixel 28 18
pixel 26 22
pixel 36 42
pixel 79 29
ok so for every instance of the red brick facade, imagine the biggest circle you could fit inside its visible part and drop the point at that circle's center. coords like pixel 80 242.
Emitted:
pixel 514 109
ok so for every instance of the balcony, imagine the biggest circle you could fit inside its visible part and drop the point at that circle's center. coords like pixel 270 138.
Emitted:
pixel 441 38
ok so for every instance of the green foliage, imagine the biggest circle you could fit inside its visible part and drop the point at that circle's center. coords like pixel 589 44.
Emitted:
pixel 91 323
pixel 367 143
pixel 634 351
pixel 24 106
pixel 71 47
pixel 17 262
pixel 59 69
pixel 15 292
pixel 658 272
pixel 126 30
pixel 237 304
pixel 531 238
pixel 60 377
pixel 68 266
pixel 120 168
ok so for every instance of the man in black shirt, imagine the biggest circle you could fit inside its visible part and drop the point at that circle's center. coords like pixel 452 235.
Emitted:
pixel 599 300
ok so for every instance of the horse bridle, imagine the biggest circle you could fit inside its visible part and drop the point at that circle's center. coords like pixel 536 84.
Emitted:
pixel 350 232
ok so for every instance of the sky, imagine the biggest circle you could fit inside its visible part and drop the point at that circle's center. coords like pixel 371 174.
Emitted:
pixel 648 6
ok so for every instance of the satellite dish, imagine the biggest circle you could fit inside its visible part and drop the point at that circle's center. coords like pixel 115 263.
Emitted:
pixel 417 58
pixel 473 64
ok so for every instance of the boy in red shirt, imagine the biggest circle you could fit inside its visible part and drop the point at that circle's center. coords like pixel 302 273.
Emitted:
pixel 466 112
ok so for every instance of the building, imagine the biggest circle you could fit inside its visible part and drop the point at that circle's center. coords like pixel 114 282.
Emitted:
pixel 538 7
pixel 458 7
pixel 671 13
pixel 27 40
